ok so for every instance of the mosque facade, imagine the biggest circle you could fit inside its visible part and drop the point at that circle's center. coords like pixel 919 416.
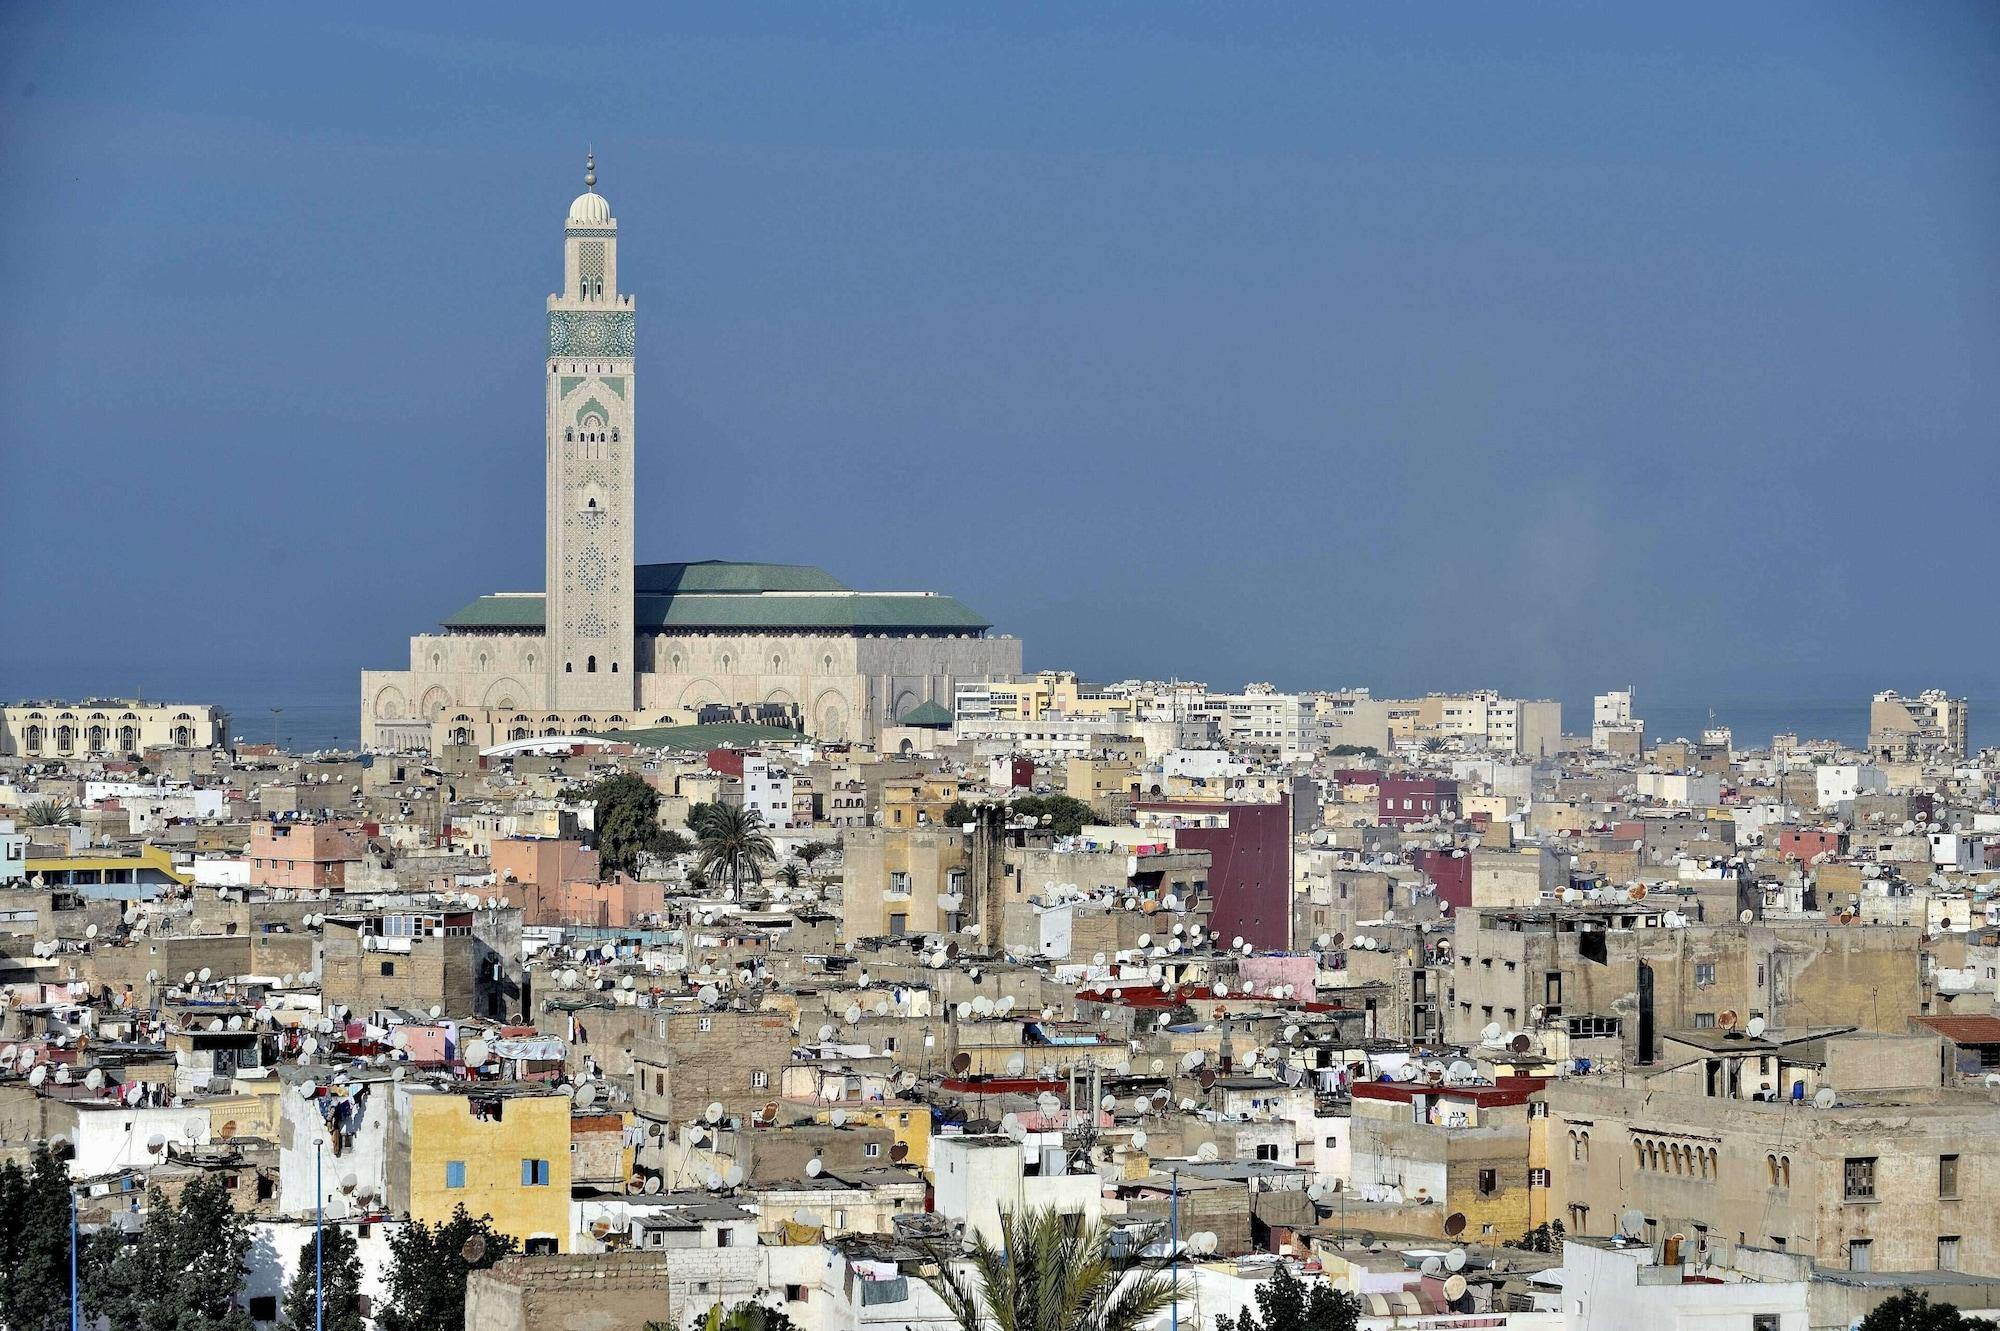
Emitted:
pixel 611 644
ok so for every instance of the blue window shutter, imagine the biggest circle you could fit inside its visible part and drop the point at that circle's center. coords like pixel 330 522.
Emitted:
pixel 542 1173
pixel 454 1173
pixel 527 1173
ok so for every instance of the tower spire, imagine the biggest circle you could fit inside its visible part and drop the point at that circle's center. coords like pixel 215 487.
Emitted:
pixel 589 169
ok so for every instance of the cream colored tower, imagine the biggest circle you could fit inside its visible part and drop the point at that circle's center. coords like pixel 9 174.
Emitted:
pixel 588 610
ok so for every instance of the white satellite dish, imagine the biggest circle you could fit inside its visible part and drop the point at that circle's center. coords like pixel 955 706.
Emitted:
pixel 1755 1028
pixel 476 1053
pixel 814 1168
pixel 1207 1153
pixel 1825 1098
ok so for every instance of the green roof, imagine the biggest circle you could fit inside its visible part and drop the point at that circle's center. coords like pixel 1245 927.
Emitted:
pixel 837 610
pixel 721 575
pixel 727 734
pixel 926 714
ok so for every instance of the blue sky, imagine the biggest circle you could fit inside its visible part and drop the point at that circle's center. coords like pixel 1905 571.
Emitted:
pixel 1552 348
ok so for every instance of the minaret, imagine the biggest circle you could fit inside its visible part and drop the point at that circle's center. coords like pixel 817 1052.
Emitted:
pixel 588 611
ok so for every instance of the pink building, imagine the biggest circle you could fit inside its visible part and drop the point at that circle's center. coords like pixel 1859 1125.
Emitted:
pixel 302 855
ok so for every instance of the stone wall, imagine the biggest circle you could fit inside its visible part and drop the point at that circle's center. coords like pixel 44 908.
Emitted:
pixel 597 1292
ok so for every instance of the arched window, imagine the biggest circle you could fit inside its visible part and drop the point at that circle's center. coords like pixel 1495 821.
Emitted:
pixel 614 434
pixel 1771 1163
pixel 614 667
pixel 531 660
pixel 567 668
pixel 1785 1171
pixel 590 665
pixel 569 434
pixel 482 660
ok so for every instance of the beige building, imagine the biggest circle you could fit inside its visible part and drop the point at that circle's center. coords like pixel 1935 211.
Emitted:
pixel 1931 725
pixel 109 728
pixel 903 880
pixel 1886 1178
pixel 616 645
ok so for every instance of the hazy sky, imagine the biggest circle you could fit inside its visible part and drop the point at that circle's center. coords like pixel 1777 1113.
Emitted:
pixel 1420 346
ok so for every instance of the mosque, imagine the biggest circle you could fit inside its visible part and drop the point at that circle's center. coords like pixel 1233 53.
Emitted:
pixel 613 645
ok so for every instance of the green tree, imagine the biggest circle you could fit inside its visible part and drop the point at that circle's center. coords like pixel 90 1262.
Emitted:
pixel 731 838
pixel 1433 745
pixel 428 1265
pixel 1050 1274
pixel 1066 815
pixel 628 821
pixel 342 1279
pixel 48 813
pixel 34 1244
pixel 668 843
pixel 742 1317
pixel 1289 1304
pixel 1542 1238
pixel 183 1272
pixel 791 875
pixel 958 813
pixel 1912 1310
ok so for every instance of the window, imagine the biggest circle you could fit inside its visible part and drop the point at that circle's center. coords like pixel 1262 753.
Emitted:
pixel 872 1150
pixel 388 968
pixel 1860 1255
pixel 759 1079
pixel 1948 1177
pixel 590 665
pixel 1704 1021
pixel 1764 1322
pixel 1859 1183
pixel 534 1173
pixel 1704 973
pixel 1489 1182
pixel 1947 1258
pixel 454 1173
pixel 1267 1151
pixel 704 1024
pixel 1538 1178
pixel 795 1294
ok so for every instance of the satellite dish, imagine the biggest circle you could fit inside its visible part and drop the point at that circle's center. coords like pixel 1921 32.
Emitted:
pixel 1824 1098
pixel 1632 1224
pixel 814 1168
pixel 39 1074
pixel 733 1176
pixel 206 973
pixel 961 1062
pixel 476 1053
pixel 839 1118
pixel 653 1183
pixel 714 1114
pixel 1454 1286
pixel 1207 1153
pixel 94 1079
pixel 1755 1028
pixel 1454 1224
pixel 1520 1044
pixel 1139 1140
pixel 1455 1260
pixel 1748 916
pixel 1433 1267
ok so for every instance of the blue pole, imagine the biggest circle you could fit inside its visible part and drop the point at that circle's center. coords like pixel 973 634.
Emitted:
pixel 75 1304
pixel 1174 1224
pixel 319 1246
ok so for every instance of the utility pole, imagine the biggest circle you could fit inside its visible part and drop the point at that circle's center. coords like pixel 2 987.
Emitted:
pixel 319 1244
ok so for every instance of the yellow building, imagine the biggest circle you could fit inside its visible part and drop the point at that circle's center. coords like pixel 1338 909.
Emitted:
pixel 1051 693
pixel 502 1151
pixel 911 1125
pixel 1100 782
pixel 148 866
pixel 919 800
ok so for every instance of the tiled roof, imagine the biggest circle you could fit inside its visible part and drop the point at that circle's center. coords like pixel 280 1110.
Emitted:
pixel 840 611
pixel 1965 1030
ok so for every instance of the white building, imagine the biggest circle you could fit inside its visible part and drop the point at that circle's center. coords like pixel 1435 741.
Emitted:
pixel 768 790
pixel 1840 783
pixel 109 728
pixel 13 853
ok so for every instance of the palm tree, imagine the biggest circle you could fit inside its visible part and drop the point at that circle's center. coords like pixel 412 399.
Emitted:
pixel 1433 744
pixel 48 813
pixel 1051 1273
pixel 731 838
pixel 791 875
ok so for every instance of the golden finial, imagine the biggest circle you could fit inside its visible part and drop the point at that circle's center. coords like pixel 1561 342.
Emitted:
pixel 589 169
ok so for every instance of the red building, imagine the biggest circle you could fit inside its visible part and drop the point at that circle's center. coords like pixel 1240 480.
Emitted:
pixel 1411 799
pixel 1807 844
pixel 1250 871
pixel 1450 872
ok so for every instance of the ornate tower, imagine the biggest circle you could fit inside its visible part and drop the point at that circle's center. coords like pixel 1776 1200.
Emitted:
pixel 588 610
